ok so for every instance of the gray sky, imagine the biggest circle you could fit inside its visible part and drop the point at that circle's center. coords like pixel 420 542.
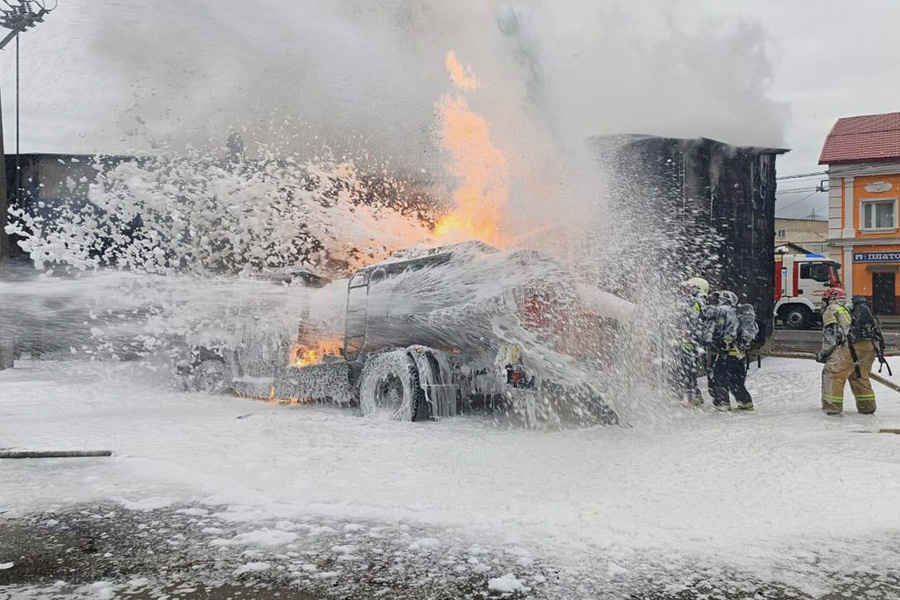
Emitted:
pixel 832 59
pixel 121 76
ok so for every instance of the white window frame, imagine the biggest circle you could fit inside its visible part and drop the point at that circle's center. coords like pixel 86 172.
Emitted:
pixel 862 215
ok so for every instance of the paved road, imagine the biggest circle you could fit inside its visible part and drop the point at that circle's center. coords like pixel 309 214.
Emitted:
pixel 810 340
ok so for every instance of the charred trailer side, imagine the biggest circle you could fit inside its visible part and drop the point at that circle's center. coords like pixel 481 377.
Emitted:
pixel 698 207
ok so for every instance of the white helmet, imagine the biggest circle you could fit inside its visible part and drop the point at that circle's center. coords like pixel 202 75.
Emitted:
pixel 697 285
pixel 726 297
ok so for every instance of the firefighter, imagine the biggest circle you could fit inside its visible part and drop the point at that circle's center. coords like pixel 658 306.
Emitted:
pixel 867 328
pixel 728 372
pixel 842 359
pixel 690 312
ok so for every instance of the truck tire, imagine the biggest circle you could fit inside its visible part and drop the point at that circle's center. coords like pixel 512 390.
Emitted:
pixel 389 388
pixel 797 316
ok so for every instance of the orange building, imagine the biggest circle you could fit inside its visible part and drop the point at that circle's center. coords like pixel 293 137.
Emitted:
pixel 863 158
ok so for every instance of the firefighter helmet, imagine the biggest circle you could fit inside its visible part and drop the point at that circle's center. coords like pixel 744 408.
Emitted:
pixel 697 285
pixel 726 297
pixel 834 293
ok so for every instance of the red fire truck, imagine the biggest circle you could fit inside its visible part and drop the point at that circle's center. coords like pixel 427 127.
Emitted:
pixel 800 282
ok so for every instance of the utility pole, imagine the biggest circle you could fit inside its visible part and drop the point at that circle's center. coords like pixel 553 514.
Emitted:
pixel 17 16
pixel 4 211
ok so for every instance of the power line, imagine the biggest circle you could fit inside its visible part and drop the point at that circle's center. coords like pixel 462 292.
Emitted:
pixel 801 175
pixel 810 195
pixel 817 208
pixel 799 190
pixel 801 179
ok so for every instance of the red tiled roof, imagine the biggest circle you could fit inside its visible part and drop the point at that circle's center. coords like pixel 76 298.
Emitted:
pixel 861 139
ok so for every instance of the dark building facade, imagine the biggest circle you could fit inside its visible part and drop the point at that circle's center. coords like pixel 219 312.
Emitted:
pixel 39 183
pixel 706 208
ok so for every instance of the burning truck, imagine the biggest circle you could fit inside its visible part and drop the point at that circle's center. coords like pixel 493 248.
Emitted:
pixel 435 332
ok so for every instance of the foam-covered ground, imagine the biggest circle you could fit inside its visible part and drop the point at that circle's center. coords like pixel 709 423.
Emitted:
pixel 785 494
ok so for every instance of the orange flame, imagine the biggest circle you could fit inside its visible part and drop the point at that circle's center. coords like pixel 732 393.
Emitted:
pixel 304 356
pixel 461 75
pixel 476 162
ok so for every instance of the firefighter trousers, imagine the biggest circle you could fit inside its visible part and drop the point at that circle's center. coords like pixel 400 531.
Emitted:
pixel 729 375
pixel 686 372
pixel 839 369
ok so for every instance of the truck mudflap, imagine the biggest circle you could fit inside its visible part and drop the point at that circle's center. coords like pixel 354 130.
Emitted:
pixel 442 394
pixel 443 399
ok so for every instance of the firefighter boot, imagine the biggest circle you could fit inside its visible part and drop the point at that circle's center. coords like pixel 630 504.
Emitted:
pixel 695 396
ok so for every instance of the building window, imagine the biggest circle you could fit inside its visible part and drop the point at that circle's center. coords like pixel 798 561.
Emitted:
pixel 879 214
pixel 781 234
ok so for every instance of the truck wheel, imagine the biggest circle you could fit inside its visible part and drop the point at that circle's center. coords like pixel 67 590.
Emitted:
pixel 389 388
pixel 797 317
pixel 210 376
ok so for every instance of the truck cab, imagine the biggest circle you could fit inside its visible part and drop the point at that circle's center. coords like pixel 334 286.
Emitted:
pixel 800 282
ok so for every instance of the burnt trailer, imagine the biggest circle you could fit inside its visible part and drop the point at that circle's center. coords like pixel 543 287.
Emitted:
pixel 699 207
pixel 433 332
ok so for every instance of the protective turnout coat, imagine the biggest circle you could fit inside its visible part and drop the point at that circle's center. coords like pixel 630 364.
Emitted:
pixel 728 373
pixel 722 330
pixel 689 337
pixel 839 364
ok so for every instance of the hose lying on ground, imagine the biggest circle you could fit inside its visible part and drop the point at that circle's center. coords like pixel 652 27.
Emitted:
pixel 53 453
pixel 874 376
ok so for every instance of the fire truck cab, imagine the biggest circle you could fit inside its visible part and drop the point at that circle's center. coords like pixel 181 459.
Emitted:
pixel 800 282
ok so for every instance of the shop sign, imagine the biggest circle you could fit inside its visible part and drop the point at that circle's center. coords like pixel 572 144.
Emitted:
pixel 862 257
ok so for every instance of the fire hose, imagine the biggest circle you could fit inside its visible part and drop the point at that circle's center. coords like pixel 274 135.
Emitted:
pixel 806 355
